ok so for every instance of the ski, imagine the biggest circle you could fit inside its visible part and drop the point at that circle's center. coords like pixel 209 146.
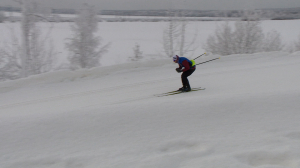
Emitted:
pixel 175 91
pixel 194 89
pixel 178 92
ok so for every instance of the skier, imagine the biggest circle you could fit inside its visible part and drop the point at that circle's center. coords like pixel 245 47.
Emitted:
pixel 187 67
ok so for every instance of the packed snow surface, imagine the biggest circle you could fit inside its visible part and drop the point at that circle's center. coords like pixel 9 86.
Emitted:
pixel 108 117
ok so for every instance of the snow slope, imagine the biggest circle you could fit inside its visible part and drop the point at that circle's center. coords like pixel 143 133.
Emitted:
pixel 107 117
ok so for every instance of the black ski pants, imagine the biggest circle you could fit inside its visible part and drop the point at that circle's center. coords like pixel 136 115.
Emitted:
pixel 184 79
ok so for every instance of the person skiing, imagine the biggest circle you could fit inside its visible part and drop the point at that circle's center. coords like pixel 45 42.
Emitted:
pixel 187 67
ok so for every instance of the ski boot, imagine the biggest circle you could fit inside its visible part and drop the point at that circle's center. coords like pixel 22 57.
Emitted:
pixel 186 89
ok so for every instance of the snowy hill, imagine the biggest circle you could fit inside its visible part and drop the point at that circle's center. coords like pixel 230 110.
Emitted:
pixel 107 117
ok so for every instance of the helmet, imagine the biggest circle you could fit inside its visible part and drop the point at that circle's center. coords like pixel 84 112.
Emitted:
pixel 175 57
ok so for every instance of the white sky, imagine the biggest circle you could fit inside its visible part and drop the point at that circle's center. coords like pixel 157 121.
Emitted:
pixel 166 4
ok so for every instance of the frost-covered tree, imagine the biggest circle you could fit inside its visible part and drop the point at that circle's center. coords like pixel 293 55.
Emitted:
pixel 247 37
pixel 84 45
pixel 32 54
pixel 37 51
pixel 10 67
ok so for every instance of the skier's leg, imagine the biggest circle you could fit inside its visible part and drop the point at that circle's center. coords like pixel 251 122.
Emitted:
pixel 184 79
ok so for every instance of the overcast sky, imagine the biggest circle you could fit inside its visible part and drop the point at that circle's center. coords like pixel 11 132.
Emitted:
pixel 166 4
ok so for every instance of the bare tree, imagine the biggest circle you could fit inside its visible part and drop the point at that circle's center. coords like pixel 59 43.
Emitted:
pixel 222 41
pixel 174 36
pixel 293 46
pixel 185 45
pixel 248 36
pixel 84 45
pixel 2 17
pixel 297 44
pixel 170 35
pixel 137 53
pixel 272 42
pixel 9 67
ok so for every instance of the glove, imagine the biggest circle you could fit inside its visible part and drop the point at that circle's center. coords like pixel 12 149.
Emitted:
pixel 178 70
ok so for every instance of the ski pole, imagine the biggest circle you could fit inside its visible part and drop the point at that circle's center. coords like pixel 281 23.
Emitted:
pixel 199 56
pixel 207 61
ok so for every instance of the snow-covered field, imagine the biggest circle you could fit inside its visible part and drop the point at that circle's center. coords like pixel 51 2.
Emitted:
pixel 108 117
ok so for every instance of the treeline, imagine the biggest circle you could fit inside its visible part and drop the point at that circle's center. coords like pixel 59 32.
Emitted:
pixel 273 14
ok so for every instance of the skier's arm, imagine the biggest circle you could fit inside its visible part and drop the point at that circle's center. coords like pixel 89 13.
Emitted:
pixel 179 69
pixel 186 65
